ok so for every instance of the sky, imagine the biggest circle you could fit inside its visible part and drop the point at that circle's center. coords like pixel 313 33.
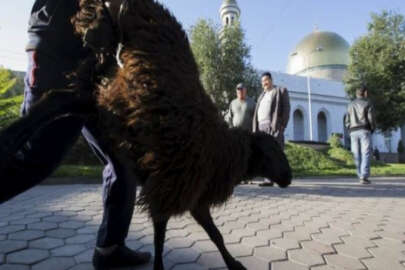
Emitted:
pixel 272 27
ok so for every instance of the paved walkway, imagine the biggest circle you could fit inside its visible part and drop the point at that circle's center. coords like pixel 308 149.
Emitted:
pixel 316 224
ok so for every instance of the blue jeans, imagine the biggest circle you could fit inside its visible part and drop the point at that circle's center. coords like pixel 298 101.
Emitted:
pixel 361 149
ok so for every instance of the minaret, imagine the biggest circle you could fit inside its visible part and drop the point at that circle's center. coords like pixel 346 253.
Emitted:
pixel 229 12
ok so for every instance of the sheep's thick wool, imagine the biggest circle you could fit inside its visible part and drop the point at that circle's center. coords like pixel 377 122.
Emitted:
pixel 159 120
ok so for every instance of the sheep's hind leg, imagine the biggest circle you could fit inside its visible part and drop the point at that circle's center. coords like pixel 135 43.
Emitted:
pixel 203 216
pixel 159 226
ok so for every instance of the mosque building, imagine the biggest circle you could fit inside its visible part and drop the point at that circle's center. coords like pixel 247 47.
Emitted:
pixel 314 79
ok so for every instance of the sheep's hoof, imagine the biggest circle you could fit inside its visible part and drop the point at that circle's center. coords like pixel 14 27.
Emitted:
pixel 236 265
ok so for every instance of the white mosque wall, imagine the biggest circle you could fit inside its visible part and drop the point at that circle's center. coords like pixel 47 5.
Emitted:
pixel 327 97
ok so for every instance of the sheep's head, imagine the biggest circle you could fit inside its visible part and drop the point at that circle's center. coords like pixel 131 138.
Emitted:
pixel 268 160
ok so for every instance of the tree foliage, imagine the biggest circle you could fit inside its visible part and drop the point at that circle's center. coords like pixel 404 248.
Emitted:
pixel 378 61
pixel 223 59
pixel 11 87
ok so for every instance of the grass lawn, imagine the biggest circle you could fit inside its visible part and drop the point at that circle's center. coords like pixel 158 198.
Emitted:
pixel 305 162
pixel 379 170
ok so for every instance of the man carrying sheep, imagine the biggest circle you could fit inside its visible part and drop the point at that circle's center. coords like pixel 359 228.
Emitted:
pixel 272 112
pixel 54 52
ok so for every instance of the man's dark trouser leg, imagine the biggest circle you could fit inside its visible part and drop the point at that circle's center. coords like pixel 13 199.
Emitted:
pixel 119 193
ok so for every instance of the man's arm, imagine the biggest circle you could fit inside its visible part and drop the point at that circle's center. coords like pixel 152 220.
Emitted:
pixel 347 118
pixel 371 118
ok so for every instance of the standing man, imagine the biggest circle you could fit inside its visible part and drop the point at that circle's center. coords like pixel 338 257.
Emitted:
pixel 241 109
pixel 272 112
pixel 54 51
pixel 360 121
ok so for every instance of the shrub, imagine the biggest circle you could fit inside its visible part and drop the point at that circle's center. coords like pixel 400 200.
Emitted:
pixel 335 141
pixel 303 158
pixel 341 155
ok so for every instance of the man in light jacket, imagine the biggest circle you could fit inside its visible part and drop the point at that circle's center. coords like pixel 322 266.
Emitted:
pixel 360 121
pixel 272 112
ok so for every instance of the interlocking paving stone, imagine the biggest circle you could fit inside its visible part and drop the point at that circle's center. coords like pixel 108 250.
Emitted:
pixel 211 260
pixel 85 256
pixel 344 262
pixel 318 247
pixel 27 256
pixel 255 241
pixel 14 267
pixel 285 243
pixel 176 233
pixel 61 233
pixel 306 257
pixel 270 254
pixel 80 239
pixel 189 266
pixel 26 235
pixel 205 246
pixel 24 221
pixel 68 250
pixel 59 263
pixel 353 250
pixel 71 225
pixel 83 266
pixel 254 263
pixel 326 267
pixel 88 230
pixel 183 255
pixel 179 242
pixel 46 243
pixel 42 226
pixel 287 265
pixel 378 264
pixel 56 219
pixel 387 253
pixel 349 219
pixel 8 246
pixel 11 229
pixel 239 250
pixel 270 234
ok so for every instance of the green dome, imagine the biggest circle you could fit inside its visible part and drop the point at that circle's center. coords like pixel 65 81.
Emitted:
pixel 319 50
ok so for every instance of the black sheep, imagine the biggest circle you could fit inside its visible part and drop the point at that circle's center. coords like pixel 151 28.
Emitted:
pixel 160 123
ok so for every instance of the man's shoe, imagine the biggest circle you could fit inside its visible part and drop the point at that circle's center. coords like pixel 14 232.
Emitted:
pixel 365 181
pixel 266 184
pixel 121 256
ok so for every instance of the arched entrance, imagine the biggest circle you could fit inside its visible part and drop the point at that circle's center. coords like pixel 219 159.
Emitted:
pixel 299 132
pixel 322 127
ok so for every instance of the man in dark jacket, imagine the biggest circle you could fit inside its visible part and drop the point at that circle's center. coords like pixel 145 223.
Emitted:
pixel 360 121
pixel 54 51
pixel 272 112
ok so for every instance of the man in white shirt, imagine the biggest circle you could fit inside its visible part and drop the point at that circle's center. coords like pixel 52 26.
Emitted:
pixel 272 112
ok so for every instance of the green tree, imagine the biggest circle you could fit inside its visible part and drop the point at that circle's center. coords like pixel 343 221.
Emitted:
pixel 378 61
pixel 11 87
pixel 224 61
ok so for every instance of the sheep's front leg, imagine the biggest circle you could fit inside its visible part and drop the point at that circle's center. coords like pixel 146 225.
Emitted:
pixel 203 216
pixel 159 226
